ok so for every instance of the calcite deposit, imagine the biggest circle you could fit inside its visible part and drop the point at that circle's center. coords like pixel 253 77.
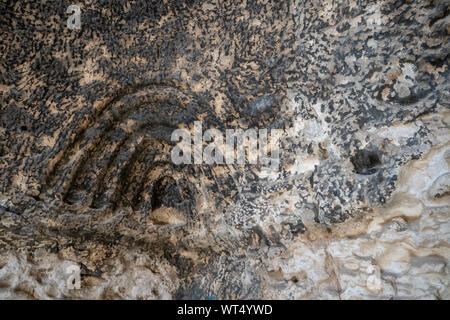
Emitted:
pixel 93 207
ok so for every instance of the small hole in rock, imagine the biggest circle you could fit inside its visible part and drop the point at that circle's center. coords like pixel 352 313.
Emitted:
pixel 23 128
pixel 365 162
pixel 162 189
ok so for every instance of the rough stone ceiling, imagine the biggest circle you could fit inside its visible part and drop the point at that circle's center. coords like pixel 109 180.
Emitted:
pixel 359 207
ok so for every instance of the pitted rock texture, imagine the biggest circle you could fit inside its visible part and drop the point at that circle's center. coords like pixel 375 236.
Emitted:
pixel 359 207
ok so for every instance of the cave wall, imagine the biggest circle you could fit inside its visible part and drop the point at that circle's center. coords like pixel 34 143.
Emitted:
pixel 357 208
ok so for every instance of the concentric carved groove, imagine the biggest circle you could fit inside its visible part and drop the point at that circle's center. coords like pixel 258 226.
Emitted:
pixel 116 158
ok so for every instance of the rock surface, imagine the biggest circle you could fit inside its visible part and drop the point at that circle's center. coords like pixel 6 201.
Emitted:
pixel 359 207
